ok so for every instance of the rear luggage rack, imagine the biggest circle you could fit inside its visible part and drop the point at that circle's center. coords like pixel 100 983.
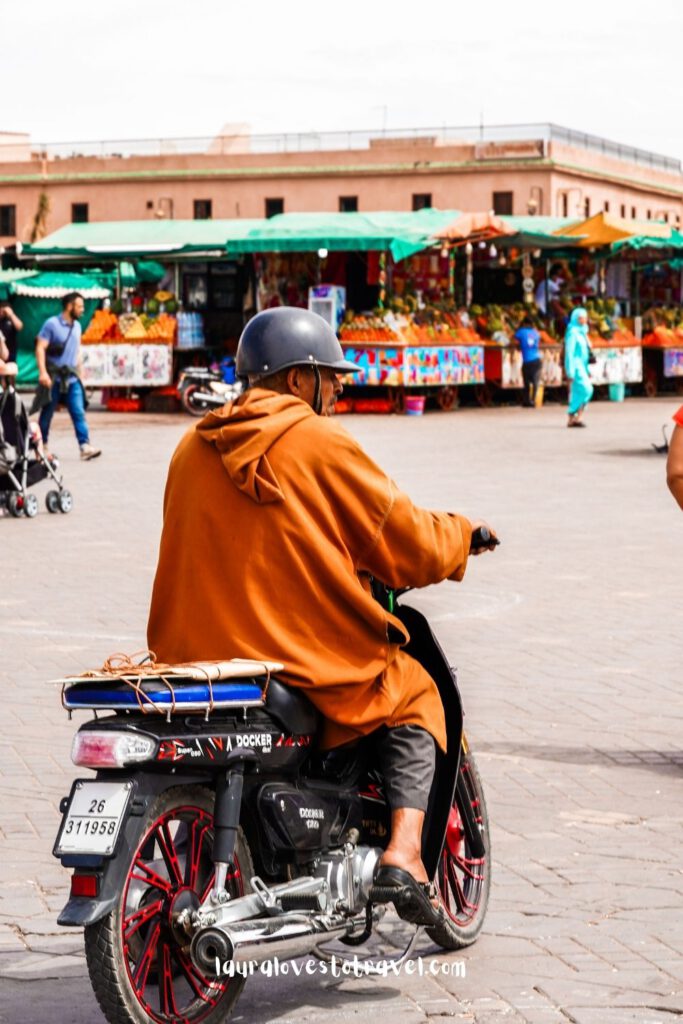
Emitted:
pixel 148 687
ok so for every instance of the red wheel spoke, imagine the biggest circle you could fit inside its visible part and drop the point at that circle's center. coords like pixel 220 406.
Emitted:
pixel 231 876
pixel 198 833
pixel 167 1003
pixel 140 917
pixel 141 972
pixel 459 892
pixel 464 866
pixel 202 987
pixel 208 887
pixel 163 837
pixel 149 876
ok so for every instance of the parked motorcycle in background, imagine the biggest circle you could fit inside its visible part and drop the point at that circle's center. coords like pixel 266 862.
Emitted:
pixel 201 388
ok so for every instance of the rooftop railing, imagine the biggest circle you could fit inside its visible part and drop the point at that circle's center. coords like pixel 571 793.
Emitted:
pixel 241 142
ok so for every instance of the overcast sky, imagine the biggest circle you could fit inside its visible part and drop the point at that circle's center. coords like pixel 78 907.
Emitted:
pixel 82 70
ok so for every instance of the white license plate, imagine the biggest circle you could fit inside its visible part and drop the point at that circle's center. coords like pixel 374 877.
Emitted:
pixel 94 818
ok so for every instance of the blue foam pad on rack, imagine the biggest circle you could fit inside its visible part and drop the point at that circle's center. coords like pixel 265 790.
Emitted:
pixel 186 695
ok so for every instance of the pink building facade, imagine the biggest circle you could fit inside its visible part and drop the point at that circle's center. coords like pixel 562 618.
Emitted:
pixel 536 169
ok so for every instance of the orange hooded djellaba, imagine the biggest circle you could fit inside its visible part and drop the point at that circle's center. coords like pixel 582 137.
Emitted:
pixel 273 519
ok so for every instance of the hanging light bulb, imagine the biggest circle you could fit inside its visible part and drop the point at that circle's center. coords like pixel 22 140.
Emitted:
pixel 493 252
pixel 501 260
pixel 482 245
pixel 322 253
pixel 444 252
pixel 469 249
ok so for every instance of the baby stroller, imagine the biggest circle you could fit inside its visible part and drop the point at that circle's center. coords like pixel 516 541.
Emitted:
pixel 23 462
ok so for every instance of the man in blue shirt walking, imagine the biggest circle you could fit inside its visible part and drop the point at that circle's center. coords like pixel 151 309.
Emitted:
pixel 529 341
pixel 58 354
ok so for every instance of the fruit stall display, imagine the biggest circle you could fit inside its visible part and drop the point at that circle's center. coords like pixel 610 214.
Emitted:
pixel 133 348
pixel 663 349
pixel 618 354
pixel 429 349
pixel 502 354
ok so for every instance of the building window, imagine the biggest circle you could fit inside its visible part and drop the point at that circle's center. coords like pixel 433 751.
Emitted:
pixel 502 203
pixel 565 205
pixel 8 220
pixel 587 207
pixel 633 212
pixel 623 209
pixel 649 214
pixel 348 204
pixel 422 200
pixel 202 209
pixel 79 213
pixel 605 206
pixel 274 206
pixel 666 218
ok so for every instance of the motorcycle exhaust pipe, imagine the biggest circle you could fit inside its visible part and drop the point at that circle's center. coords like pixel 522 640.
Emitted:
pixel 246 942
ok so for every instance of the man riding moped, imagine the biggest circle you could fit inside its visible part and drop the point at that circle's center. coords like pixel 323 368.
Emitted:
pixel 298 520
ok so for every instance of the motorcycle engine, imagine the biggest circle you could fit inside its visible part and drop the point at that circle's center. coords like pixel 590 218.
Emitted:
pixel 334 868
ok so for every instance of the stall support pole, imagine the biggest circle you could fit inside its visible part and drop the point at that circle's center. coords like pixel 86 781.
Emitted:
pixel 176 281
pixel 118 281
pixel 381 300
pixel 469 274
pixel 451 272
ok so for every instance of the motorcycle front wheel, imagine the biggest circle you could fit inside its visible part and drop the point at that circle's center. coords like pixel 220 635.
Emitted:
pixel 138 958
pixel 463 877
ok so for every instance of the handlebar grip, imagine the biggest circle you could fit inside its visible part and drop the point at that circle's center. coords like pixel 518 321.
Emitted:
pixel 481 538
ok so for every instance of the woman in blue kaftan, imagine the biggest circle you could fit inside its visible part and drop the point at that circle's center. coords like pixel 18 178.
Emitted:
pixel 576 358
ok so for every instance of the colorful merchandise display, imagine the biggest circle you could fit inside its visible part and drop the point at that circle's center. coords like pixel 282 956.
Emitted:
pixel 428 348
pixel 134 349
pixel 406 366
pixel 126 365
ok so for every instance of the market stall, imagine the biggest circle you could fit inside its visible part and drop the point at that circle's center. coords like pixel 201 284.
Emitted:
pixel 411 339
pixel 36 297
pixel 399 351
pixel 657 285
pixel 130 350
pixel 187 262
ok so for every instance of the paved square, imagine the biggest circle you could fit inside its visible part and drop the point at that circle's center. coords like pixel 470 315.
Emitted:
pixel 568 643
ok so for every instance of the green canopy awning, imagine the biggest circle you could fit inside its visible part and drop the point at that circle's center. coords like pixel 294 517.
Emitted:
pixel 34 298
pixel 538 233
pixel 9 276
pixel 400 233
pixel 132 239
pixel 640 242
pixel 51 285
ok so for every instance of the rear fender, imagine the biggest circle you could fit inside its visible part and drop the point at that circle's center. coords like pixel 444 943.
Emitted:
pixel 80 911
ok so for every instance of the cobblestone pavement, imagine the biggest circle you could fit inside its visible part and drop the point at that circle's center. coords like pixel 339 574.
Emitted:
pixel 568 642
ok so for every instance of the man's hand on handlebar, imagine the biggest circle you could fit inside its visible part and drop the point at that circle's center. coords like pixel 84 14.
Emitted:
pixel 483 538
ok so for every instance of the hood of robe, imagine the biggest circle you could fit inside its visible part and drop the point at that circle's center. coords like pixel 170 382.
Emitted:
pixel 244 432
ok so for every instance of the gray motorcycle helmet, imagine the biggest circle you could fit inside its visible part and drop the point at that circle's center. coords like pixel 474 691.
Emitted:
pixel 287 336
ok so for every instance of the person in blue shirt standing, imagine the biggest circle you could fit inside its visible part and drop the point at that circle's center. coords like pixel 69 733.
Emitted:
pixel 529 341
pixel 576 360
pixel 58 354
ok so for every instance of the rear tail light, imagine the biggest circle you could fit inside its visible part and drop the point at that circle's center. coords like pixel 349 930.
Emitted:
pixel 85 885
pixel 111 749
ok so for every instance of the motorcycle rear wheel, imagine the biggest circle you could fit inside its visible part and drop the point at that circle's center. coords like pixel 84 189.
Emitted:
pixel 138 962
pixel 191 402
pixel 463 880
